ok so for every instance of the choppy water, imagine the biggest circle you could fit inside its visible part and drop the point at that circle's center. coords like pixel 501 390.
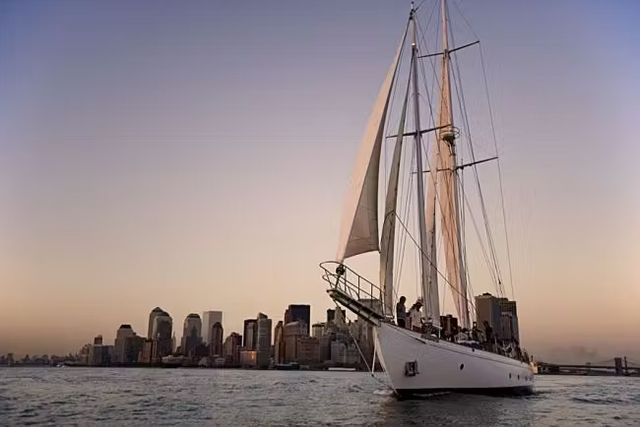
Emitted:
pixel 89 396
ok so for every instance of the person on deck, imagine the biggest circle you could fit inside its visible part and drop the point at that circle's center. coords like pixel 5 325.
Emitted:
pixel 415 316
pixel 401 312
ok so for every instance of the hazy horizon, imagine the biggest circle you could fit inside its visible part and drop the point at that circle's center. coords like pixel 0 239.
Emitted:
pixel 195 157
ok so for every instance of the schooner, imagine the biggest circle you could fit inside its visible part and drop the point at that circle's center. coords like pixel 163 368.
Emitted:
pixel 421 359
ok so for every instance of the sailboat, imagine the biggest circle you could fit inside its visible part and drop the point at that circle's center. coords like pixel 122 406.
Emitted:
pixel 422 359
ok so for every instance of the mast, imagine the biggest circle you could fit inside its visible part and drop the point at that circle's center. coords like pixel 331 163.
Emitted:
pixel 448 184
pixel 424 243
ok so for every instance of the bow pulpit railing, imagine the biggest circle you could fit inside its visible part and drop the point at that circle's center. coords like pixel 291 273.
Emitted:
pixel 354 292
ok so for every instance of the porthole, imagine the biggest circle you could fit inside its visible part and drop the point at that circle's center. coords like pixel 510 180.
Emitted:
pixel 518 376
pixel 461 366
pixel 509 376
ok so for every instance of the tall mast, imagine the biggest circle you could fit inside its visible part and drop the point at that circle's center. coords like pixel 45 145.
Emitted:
pixel 448 183
pixel 424 246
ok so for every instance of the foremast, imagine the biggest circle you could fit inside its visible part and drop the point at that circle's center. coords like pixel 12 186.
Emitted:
pixel 427 258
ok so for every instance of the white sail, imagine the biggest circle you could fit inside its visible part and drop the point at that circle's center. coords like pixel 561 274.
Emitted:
pixel 360 221
pixel 387 242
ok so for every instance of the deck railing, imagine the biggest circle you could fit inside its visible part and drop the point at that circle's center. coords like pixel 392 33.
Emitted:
pixel 354 291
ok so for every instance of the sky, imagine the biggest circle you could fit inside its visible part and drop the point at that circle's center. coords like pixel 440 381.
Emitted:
pixel 195 157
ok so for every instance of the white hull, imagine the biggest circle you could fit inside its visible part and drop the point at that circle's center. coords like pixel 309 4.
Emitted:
pixel 443 365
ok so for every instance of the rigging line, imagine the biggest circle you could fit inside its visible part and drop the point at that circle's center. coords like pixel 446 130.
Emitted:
pixel 460 95
pixel 495 146
pixel 421 3
pixel 464 18
pixel 432 60
pixel 397 146
pixel 355 341
pixel 391 103
pixel 452 239
pixel 477 230
pixel 429 260
pixel 461 100
pixel 404 236
pixel 407 199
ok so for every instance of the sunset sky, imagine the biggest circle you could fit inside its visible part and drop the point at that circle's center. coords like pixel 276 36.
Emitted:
pixel 195 156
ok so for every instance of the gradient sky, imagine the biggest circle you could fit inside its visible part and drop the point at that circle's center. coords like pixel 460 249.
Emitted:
pixel 195 156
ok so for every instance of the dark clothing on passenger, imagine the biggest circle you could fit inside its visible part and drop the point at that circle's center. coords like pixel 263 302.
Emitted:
pixel 401 314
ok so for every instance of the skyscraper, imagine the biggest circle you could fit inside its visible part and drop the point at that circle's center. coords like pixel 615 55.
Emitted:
pixel 161 330
pixel 510 309
pixel 278 343
pixel 298 313
pixel 263 341
pixel 127 346
pixel 488 310
pixel 119 348
pixel 210 318
pixel 232 349
pixel 293 331
pixel 191 334
pixel 215 345
pixel 249 334
pixel 152 316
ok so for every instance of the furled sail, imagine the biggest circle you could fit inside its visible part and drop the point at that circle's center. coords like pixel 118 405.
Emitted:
pixel 448 189
pixel 387 242
pixel 360 221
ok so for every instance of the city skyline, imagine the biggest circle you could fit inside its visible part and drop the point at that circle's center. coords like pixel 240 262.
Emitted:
pixel 196 158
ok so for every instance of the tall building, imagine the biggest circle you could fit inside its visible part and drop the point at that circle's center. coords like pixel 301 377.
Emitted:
pixel 232 346
pixel 292 332
pixel 278 343
pixel 317 330
pixel 148 350
pixel 336 317
pixel 216 335
pixel 308 350
pixel 510 307
pixel 488 311
pixel 210 318
pixel 249 334
pixel 100 354
pixel 191 334
pixel 161 333
pixel 121 352
pixel 156 311
pixel 501 315
pixel 299 313
pixel 263 341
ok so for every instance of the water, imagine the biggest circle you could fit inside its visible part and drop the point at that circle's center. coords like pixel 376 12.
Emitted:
pixel 90 396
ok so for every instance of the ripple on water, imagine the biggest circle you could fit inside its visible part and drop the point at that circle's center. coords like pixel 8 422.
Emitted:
pixel 151 396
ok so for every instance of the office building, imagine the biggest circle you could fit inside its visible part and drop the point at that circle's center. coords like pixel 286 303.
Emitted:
pixel 161 333
pixel 210 318
pixel 232 346
pixel 156 311
pixel 263 341
pixel 292 332
pixel 278 343
pixel 510 307
pixel 299 313
pixel 122 349
pixel 317 330
pixel 249 334
pixel 308 350
pixel 215 345
pixel 191 334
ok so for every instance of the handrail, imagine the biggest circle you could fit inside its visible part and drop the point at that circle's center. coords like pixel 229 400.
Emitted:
pixel 363 297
